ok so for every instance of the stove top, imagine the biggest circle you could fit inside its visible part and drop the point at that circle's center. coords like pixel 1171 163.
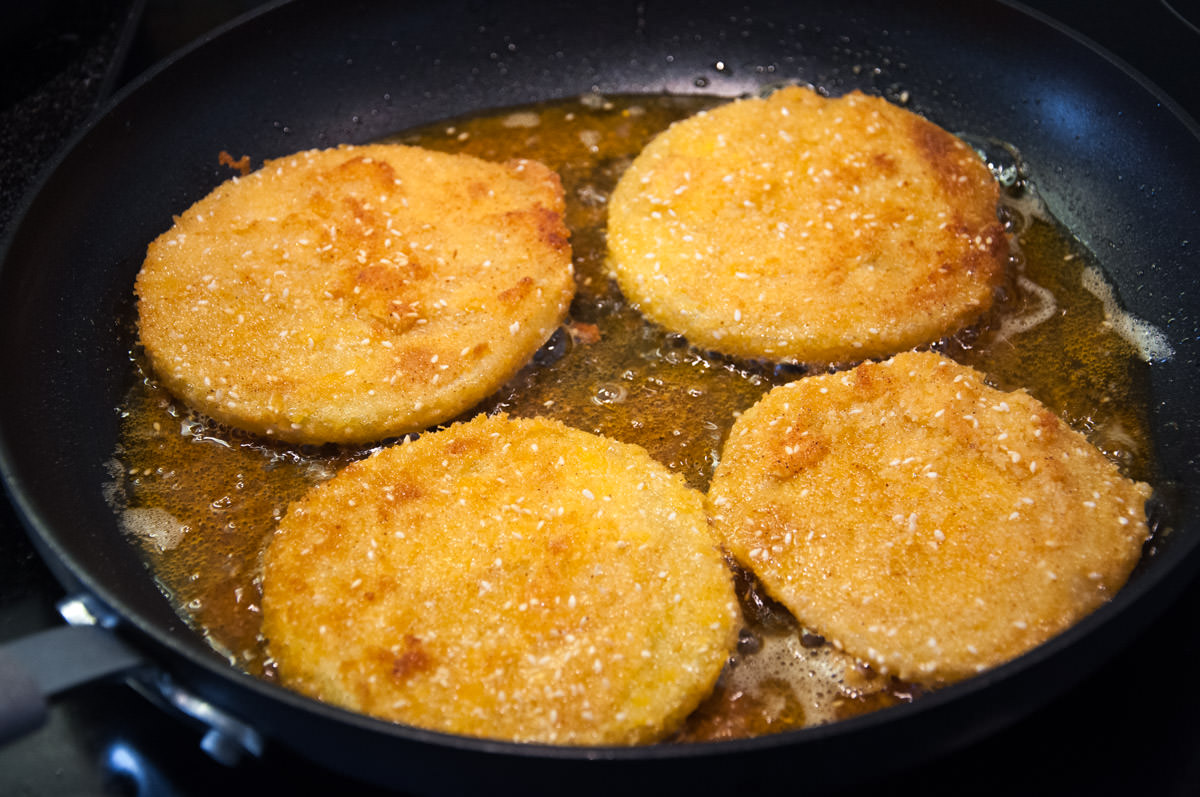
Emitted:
pixel 1129 728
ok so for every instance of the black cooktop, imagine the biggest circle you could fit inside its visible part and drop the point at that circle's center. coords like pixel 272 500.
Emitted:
pixel 1131 728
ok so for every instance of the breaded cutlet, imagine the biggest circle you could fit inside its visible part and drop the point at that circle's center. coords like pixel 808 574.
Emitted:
pixel 353 294
pixel 503 578
pixel 800 228
pixel 925 522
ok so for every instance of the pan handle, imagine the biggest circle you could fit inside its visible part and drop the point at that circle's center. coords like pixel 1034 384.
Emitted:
pixel 36 667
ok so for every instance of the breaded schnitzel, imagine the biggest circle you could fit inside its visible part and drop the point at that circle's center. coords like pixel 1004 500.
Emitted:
pixel 353 294
pixel 513 579
pixel 925 522
pixel 805 229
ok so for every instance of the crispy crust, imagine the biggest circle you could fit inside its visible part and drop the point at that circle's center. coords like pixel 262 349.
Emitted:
pixel 511 579
pixel 925 522
pixel 353 294
pixel 800 228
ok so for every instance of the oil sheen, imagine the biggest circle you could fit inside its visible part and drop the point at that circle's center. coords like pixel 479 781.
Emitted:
pixel 202 500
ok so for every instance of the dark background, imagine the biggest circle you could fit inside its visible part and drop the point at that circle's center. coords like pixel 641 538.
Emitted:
pixel 1131 728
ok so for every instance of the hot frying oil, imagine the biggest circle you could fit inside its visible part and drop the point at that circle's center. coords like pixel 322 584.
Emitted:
pixel 202 500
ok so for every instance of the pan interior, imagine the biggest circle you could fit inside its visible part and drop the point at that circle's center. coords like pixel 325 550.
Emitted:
pixel 203 500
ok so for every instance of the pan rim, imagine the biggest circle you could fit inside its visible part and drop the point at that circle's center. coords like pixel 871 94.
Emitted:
pixel 39 530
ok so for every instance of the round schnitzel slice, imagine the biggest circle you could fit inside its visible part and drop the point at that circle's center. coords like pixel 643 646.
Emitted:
pixel 511 579
pixel 805 229
pixel 352 294
pixel 925 522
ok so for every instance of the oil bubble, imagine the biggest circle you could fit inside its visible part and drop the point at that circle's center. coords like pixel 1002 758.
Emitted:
pixel 609 393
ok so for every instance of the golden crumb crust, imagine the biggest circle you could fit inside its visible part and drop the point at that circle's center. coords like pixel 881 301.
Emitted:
pixel 806 229
pixel 357 293
pixel 510 579
pixel 925 522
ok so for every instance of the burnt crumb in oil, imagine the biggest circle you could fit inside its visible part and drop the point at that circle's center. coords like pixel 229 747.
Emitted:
pixel 748 642
pixel 758 608
pixel 608 371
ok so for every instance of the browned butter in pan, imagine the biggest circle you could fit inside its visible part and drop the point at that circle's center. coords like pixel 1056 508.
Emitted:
pixel 202 500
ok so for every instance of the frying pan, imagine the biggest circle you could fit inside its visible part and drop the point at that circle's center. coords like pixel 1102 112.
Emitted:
pixel 1113 161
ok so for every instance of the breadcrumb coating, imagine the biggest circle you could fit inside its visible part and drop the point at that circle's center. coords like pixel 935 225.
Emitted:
pixel 925 522
pixel 805 229
pixel 353 294
pixel 511 579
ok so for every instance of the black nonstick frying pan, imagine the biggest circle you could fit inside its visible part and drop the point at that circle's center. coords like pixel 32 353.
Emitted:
pixel 1112 161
